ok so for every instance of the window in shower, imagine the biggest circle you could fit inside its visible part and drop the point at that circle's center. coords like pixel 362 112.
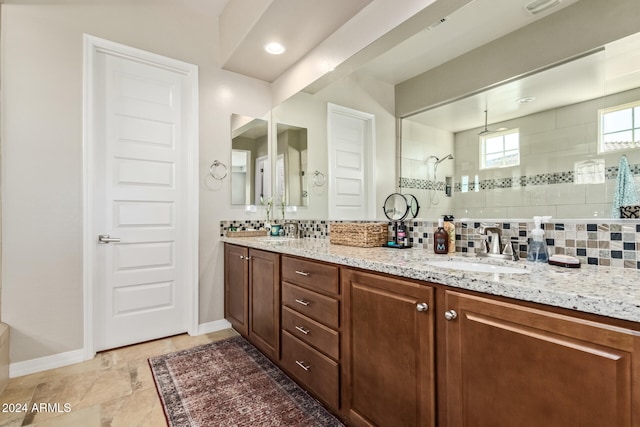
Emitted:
pixel 619 128
pixel 500 149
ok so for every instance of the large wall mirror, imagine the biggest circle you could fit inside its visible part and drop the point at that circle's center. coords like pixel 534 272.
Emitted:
pixel 250 160
pixel 291 165
pixel 549 143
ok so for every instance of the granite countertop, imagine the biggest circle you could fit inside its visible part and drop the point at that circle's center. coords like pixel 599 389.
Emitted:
pixel 611 292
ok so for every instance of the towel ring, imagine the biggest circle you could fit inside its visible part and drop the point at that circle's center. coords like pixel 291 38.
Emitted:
pixel 214 166
pixel 318 179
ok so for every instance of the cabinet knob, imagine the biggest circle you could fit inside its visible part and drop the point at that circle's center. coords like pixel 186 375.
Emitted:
pixel 450 314
pixel 423 306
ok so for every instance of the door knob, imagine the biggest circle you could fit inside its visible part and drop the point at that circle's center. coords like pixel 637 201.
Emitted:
pixel 422 306
pixel 450 314
pixel 105 238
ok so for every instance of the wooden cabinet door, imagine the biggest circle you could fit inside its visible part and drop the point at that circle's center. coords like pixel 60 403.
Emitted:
pixel 264 302
pixel 236 287
pixel 510 365
pixel 388 377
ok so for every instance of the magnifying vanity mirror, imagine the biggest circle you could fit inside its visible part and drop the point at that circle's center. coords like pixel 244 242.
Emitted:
pixel 398 207
pixel 250 162
pixel 292 178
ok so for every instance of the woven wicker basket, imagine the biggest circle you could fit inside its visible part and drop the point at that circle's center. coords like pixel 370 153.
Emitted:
pixel 364 235
pixel 246 233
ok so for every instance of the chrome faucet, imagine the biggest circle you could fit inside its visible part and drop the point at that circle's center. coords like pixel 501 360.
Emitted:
pixel 496 244
pixel 495 249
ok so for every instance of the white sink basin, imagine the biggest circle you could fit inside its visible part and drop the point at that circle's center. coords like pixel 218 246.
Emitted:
pixel 478 267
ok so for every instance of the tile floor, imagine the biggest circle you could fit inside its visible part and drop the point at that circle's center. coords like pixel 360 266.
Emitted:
pixel 113 389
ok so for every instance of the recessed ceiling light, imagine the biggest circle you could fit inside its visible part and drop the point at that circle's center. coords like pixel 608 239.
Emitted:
pixel 274 48
pixel 525 99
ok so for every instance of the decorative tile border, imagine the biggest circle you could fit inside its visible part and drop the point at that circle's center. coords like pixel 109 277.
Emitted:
pixel 566 177
pixel 422 184
pixel 606 244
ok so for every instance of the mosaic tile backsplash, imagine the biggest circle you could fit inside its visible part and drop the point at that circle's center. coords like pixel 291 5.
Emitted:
pixel 605 244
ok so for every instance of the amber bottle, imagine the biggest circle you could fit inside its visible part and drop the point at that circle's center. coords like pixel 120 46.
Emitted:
pixel 440 239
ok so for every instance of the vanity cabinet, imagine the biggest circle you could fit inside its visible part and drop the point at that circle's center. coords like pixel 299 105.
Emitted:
pixel 366 345
pixel 252 296
pixel 388 350
pixel 512 365
pixel 236 287
pixel 311 326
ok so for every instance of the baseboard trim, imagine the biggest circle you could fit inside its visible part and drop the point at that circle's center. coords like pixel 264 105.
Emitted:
pixel 59 360
pixel 215 326
pixel 40 364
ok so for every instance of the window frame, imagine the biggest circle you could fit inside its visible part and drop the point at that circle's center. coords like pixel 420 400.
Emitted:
pixel 483 148
pixel 635 127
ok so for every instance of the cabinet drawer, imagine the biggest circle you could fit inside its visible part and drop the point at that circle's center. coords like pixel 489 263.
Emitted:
pixel 311 332
pixel 318 307
pixel 310 274
pixel 314 370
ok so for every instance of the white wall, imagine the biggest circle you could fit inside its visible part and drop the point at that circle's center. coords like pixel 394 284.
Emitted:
pixel 42 152
pixel 419 143
pixel 310 111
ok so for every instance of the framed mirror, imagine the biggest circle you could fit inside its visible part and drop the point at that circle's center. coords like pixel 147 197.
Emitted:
pixel 544 144
pixel 250 160
pixel 292 177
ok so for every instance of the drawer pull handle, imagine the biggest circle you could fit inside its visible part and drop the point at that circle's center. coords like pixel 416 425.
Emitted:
pixel 303 330
pixel 302 365
pixel 302 302
pixel 302 273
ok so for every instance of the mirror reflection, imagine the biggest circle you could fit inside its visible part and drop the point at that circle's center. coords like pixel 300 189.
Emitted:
pixel 291 165
pixel 250 164
pixel 550 143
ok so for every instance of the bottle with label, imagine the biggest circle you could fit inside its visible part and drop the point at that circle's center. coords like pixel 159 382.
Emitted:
pixel 402 235
pixel 440 239
pixel 450 228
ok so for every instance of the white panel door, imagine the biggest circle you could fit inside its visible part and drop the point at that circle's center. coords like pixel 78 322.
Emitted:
pixel 139 172
pixel 350 163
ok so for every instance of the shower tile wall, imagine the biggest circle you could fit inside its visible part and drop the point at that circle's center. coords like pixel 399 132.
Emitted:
pixel 615 244
pixel 553 144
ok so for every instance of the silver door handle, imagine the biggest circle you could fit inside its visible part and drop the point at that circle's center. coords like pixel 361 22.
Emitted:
pixel 302 273
pixel 302 365
pixel 422 306
pixel 302 302
pixel 105 238
pixel 303 330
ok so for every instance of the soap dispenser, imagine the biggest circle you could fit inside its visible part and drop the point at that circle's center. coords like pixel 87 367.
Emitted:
pixel 537 251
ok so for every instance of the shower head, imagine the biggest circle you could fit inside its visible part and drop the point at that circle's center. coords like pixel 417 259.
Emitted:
pixel 448 157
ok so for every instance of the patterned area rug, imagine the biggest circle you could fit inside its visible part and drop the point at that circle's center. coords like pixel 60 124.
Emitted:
pixel 230 383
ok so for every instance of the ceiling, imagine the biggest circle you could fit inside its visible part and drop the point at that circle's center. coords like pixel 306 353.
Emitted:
pixel 613 69
pixel 299 25
pixel 471 26
pixel 302 25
